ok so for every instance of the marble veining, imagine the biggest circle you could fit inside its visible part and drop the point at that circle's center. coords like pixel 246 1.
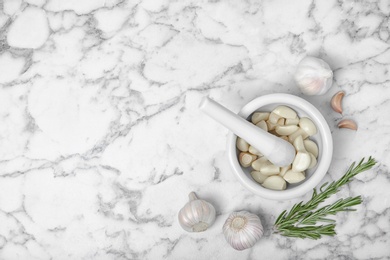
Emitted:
pixel 101 138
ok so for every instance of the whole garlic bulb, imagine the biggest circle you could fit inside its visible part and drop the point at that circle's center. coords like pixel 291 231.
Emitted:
pixel 313 76
pixel 242 230
pixel 197 215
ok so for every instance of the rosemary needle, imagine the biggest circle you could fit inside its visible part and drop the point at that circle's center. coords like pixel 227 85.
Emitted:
pixel 302 219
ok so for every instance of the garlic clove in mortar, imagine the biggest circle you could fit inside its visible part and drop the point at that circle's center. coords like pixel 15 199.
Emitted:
pixel 301 162
pixel 254 151
pixel 313 76
pixel 313 161
pixel 263 125
pixel 285 112
pixel 242 230
pixel 275 182
pixel 259 116
pixel 311 147
pixel 246 159
pixel 197 215
pixel 258 176
pixel 308 126
pixel 286 129
pixel 257 164
pixel 292 121
pixel 294 177
pixel 242 145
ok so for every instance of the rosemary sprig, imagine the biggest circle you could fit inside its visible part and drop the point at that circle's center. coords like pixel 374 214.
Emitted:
pixel 301 221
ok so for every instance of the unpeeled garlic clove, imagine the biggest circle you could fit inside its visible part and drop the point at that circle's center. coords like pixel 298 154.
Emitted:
pixel 347 123
pixel 336 102
pixel 246 159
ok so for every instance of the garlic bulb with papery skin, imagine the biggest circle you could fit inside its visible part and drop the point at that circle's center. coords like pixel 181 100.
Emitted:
pixel 313 76
pixel 242 230
pixel 197 215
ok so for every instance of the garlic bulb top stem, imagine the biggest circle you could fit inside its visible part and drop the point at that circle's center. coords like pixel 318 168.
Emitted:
pixel 192 196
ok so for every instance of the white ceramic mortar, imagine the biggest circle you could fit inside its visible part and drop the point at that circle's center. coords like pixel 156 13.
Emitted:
pixel 323 138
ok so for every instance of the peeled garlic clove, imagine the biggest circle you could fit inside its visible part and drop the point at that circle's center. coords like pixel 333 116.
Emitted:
pixel 273 118
pixel 347 123
pixel 253 150
pixel 283 170
pixel 281 121
pixel 301 162
pixel 197 215
pixel 263 125
pixel 258 116
pixel 242 230
pixel 258 176
pixel 313 76
pixel 269 169
pixel 313 162
pixel 294 177
pixel 275 182
pixel 297 133
pixel 311 147
pixel 292 121
pixel 242 145
pixel 246 159
pixel 336 102
pixel 308 126
pixel 271 126
pixel 257 164
pixel 286 130
pixel 285 112
pixel 274 132
pixel 285 138
pixel 298 144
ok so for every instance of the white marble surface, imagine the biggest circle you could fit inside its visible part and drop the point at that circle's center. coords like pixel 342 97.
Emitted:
pixel 101 139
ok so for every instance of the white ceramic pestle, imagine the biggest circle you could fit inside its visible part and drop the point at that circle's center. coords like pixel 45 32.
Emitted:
pixel 276 150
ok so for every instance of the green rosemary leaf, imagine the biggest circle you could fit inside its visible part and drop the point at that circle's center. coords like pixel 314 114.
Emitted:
pixel 303 218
